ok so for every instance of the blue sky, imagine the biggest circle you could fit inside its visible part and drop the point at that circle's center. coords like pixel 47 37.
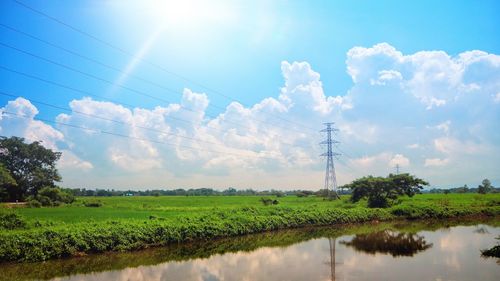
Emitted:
pixel 247 50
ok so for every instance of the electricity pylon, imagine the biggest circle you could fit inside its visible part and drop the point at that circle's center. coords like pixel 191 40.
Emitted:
pixel 330 177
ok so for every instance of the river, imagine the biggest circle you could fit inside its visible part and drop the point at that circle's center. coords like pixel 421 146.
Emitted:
pixel 373 251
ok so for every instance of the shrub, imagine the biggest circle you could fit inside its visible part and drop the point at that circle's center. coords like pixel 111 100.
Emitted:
pixel 95 203
pixel 268 201
pixel 50 197
pixel 33 203
pixel 11 221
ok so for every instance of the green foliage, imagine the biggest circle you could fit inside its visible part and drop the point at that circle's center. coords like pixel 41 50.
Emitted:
pixel 32 166
pixel 33 203
pixel 8 185
pixel 11 221
pixel 382 192
pixel 92 203
pixel 304 193
pixel 269 201
pixel 484 187
pixel 50 197
pixel 125 223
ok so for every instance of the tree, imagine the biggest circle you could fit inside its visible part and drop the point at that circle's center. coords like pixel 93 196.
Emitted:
pixel 51 196
pixel 484 187
pixel 8 185
pixel 32 166
pixel 381 191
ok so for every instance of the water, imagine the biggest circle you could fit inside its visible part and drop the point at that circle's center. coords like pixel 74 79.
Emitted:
pixel 401 251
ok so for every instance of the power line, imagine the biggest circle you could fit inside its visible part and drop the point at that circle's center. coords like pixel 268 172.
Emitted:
pixel 161 132
pixel 87 93
pixel 133 56
pixel 132 137
pixel 113 120
pixel 114 68
pixel 112 100
pixel 124 86
pixel 105 65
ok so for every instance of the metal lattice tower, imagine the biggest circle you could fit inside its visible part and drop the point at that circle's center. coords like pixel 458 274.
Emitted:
pixel 330 177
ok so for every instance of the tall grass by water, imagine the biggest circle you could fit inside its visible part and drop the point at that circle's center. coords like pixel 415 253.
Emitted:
pixel 128 223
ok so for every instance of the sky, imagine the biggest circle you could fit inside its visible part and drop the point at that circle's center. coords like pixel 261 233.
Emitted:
pixel 188 94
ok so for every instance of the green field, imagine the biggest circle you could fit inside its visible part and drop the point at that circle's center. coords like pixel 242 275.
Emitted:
pixel 125 223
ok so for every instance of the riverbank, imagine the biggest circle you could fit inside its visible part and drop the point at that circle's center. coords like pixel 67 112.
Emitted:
pixel 42 238
pixel 116 261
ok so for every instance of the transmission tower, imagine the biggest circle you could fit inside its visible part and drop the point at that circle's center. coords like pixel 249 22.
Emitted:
pixel 330 178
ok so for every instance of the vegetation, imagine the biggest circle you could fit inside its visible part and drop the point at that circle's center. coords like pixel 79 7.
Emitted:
pixel 203 249
pixel 26 168
pixel 492 252
pixel 485 187
pixel 8 184
pixel 126 223
pixel 50 196
pixel 11 221
pixel 382 192
pixel 28 172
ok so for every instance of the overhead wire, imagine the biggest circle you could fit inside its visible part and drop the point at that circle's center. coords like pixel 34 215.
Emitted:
pixel 67 87
pixel 142 93
pixel 151 63
pixel 132 137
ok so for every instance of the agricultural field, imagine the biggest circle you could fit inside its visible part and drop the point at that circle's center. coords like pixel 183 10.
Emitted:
pixel 126 223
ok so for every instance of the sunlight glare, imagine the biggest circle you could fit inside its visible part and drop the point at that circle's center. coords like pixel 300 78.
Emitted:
pixel 169 14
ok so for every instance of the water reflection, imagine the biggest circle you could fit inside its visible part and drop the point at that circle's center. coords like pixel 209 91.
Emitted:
pixel 310 254
pixel 389 242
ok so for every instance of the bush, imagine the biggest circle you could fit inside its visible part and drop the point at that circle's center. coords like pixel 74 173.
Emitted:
pixel 50 197
pixel 11 221
pixel 33 203
pixel 268 201
pixel 94 204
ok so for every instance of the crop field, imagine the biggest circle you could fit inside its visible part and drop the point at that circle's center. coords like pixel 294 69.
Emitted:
pixel 126 223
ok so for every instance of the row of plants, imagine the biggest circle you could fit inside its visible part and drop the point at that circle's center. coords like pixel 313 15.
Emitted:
pixel 46 242
pixel 203 249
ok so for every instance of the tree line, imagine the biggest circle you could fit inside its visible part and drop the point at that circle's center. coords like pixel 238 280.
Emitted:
pixel 182 192
pixel 28 173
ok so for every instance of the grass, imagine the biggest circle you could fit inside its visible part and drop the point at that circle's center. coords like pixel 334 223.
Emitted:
pixel 203 249
pixel 127 223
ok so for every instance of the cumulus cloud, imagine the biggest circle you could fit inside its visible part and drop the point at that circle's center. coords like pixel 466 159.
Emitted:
pixel 400 160
pixel 427 108
pixel 71 161
pixel 18 120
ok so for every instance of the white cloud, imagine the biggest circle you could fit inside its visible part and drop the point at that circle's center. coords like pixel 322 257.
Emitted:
pixel 385 115
pixel 18 120
pixel 71 161
pixel 385 76
pixel 432 162
pixel 400 160
pixel 413 146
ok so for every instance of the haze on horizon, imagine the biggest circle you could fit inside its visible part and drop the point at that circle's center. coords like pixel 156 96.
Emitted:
pixel 232 94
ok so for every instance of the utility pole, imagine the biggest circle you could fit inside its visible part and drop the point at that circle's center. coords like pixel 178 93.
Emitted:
pixel 330 177
pixel 397 169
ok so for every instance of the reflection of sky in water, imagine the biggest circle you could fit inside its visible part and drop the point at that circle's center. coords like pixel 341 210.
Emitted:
pixel 454 256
